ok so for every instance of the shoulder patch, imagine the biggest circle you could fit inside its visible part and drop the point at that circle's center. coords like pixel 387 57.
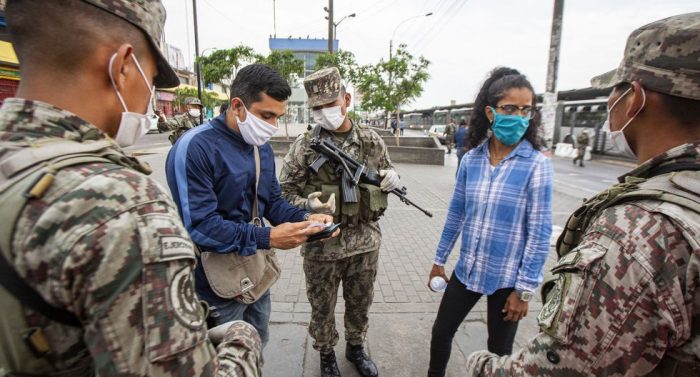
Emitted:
pixel 184 301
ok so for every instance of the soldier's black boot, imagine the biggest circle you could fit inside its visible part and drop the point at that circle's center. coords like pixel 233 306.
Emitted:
pixel 329 367
pixel 356 355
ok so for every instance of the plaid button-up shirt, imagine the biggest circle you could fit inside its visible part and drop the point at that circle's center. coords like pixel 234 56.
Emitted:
pixel 505 217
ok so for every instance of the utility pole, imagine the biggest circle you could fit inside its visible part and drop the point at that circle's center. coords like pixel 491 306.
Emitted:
pixel 329 10
pixel 196 53
pixel 274 18
pixel 549 100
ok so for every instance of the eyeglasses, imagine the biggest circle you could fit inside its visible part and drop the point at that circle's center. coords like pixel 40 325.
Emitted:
pixel 526 111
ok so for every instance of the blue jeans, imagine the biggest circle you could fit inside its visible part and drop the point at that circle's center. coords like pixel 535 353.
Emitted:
pixel 257 313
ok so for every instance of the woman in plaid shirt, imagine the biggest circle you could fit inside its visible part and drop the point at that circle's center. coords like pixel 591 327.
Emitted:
pixel 502 206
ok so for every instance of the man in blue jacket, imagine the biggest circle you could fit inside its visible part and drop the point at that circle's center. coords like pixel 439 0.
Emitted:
pixel 211 174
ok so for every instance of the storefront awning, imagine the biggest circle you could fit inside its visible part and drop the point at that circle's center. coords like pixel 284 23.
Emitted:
pixel 7 54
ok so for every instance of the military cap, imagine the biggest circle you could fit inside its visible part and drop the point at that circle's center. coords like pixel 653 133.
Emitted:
pixel 149 16
pixel 323 86
pixel 193 101
pixel 663 56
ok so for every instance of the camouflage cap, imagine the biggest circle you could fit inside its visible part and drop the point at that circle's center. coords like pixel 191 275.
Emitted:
pixel 193 101
pixel 663 55
pixel 323 86
pixel 149 16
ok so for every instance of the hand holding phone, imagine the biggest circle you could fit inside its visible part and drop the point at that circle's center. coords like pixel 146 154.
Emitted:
pixel 325 233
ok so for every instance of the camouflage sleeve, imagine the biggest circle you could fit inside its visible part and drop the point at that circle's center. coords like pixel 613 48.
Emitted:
pixel 295 172
pixel 132 284
pixel 616 303
pixel 240 353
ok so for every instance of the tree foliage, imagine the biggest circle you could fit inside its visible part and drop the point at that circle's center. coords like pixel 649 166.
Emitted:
pixel 286 64
pixel 209 99
pixel 388 85
pixel 221 66
pixel 289 67
pixel 343 60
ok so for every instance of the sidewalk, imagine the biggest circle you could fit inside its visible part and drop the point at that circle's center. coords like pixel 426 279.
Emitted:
pixel 404 308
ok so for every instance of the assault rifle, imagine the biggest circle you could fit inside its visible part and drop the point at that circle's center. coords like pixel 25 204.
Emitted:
pixel 353 172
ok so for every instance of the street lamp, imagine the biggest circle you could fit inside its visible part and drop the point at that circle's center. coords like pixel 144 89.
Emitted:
pixel 391 41
pixel 335 24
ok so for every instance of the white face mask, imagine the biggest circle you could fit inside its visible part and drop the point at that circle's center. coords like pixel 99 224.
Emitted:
pixel 330 118
pixel 194 113
pixel 132 125
pixel 618 137
pixel 254 130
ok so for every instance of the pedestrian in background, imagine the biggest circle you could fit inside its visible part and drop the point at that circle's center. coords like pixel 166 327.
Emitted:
pixel 502 206
pixel 460 140
pixel 450 130
pixel 581 145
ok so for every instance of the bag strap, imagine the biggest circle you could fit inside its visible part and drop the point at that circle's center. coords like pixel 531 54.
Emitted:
pixel 256 218
pixel 28 296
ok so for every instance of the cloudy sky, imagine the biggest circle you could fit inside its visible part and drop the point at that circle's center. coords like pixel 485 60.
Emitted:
pixel 463 39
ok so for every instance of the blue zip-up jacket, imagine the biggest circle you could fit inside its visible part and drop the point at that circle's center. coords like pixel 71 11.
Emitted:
pixel 211 174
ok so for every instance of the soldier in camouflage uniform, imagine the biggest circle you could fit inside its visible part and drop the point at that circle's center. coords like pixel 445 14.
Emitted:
pixel 624 299
pixel 352 257
pixel 97 249
pixel 581 145
pixel 183 122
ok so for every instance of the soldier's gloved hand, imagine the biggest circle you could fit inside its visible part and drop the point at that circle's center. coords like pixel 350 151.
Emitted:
pixel 391 180
pixel 315 205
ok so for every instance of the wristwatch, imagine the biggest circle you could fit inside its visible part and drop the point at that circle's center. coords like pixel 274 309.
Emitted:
pixel 306 216
pixel 524 295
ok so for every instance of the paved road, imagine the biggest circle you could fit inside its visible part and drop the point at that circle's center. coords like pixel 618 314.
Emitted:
pixel 403 308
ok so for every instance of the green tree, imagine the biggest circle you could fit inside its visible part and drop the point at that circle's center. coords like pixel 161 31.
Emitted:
pixel 221 66
pixel 388 85
pixel 343 60
pixel 209 99
pixel 289 67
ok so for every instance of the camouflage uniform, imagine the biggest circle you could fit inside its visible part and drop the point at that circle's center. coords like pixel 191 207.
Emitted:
pixel 450 130
pixel 581 145
pixel 352 256
pixel 72 245
pixel 180 123
pixel 105 243
pixel 625 295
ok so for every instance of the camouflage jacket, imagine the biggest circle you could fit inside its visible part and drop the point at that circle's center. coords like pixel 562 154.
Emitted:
pixel 582 141
pixel 106 243
pixel 450 130
pixel 627 298
pixel 179 125
pixel 362 238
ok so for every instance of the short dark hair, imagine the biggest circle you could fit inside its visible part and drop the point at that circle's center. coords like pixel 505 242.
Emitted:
pixel 258 78
pixel 685 110
pixel 498 82
pixel 57 34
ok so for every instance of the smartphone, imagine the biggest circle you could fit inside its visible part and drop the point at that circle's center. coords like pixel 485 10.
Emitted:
pixel 325 233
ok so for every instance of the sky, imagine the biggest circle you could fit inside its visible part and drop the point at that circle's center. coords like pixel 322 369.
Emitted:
pixel 463 39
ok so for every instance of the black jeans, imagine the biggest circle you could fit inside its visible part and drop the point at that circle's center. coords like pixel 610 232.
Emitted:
pixel 456 303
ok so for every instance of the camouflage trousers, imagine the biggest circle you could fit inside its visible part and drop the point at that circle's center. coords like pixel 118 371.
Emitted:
pixel 323 278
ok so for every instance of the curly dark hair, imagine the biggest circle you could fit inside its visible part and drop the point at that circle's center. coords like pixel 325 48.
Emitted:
pixel 498 82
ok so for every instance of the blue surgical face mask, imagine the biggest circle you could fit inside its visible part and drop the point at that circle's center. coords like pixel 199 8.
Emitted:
pixel 509 129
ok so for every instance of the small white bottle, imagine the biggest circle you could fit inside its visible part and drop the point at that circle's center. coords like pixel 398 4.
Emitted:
pixel 438 284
